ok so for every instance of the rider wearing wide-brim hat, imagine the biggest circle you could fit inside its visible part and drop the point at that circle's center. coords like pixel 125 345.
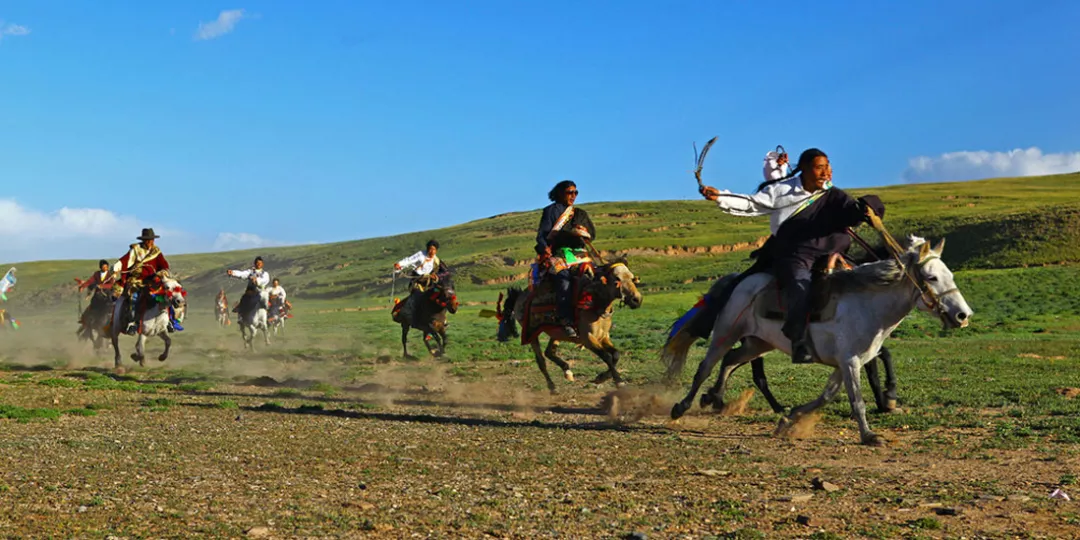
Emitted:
pixel 136 270
pixel 809 219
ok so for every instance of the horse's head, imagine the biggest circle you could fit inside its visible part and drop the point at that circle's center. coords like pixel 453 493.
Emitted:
pixel 448 296
pixel 940 296
pixel 176 296
pixel 625 283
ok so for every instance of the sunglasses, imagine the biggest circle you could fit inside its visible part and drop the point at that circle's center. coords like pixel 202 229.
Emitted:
pixel 572 192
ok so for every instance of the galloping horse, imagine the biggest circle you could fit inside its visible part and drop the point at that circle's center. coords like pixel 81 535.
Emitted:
pixel 155 320
pixel 251 315
pixel 870 301
pixel 277 315
pixel 613 281
pixel 221 309
pixel 96 318
pixel 428 316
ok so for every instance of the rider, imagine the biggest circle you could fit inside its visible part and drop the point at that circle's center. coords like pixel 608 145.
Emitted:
pixel 427 270
pixel 102 280
pixel 140 264
pixel 562 244
pixel 808 219
pixel 256 275
pixel 277 291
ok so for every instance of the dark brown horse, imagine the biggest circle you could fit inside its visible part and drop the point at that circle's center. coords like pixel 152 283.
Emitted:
pixel 427 313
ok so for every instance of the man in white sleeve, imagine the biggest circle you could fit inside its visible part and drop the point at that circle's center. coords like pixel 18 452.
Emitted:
pixel 256 274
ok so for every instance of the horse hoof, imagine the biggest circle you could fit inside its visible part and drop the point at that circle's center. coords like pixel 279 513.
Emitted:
pixel 569 375
pixel 783 426
pixel 678 410
pixel 873 439
pixel 602 378
pixel 162 358
pixel 620 384
pixel 553 391
pixel 707 399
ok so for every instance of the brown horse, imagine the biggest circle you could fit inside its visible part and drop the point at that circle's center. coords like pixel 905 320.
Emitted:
pixel 427 313
pixel 612 282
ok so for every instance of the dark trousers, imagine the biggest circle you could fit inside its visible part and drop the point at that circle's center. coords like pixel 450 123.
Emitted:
pixel 564 300
pixel 794 277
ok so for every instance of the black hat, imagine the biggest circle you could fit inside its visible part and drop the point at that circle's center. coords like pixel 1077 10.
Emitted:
pixel 102 261
pixel 147 234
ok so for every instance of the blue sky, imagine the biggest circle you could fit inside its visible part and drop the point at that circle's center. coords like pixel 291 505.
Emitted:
pixel 238 125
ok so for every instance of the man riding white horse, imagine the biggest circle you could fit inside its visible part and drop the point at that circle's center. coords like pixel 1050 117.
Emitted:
pixel 256 275
pixel 562 245
pixel 427 270
pixel 809 220
pixel 137 270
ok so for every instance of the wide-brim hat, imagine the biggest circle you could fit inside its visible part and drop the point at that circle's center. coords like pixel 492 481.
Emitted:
pixel 147 234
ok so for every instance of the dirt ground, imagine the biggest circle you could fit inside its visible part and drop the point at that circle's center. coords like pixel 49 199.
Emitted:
pixel 448 459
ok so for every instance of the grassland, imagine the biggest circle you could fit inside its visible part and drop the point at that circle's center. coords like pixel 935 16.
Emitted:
pixel 329 433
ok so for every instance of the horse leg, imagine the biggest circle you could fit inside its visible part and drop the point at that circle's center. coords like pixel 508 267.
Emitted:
pixel 611 372
pixel 851 369
pixel 750 351
pixel 890 379
pixel 541 362
pixel 549 352
pixel 116 348
pixel 716 350
pixel 140 343
pixel 610 349
pixel 168 344
pixel 872 377
pixel 758 365
pixel 831 388
pixel 405 343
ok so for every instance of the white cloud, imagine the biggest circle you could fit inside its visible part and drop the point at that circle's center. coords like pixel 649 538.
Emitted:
pixel 224 24
pixel 67 233
pixel 982 164
pixel 228 241
pixel 12 30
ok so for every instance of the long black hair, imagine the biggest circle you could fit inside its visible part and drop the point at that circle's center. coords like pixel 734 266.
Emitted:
pixel 806 160
pixel 559 188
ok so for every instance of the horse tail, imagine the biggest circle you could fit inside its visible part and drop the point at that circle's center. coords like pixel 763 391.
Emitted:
pixel 696 323
pixel 675 351
pixel 507 324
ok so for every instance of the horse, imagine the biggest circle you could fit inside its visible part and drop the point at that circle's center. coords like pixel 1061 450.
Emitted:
pixel 251 315
pixel 870 302
pixel 613 281
pixel 221 309
pixel 277 315
pixel 427 314
pixel 155 320
pixel 96 317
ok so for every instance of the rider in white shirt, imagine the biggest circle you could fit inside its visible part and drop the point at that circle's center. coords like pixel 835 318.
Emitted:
pixel 260 277
pixel 277 290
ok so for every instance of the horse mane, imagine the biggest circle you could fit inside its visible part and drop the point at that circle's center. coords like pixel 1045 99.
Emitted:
pixel 871 275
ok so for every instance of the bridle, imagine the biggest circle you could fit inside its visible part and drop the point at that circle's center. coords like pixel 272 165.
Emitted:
pixel 931 299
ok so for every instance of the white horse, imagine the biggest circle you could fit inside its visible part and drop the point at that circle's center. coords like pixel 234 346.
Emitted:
pixel 251 315
pixel 870 301
pixel 155 321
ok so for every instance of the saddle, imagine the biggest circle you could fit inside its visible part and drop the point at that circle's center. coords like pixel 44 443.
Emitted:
pixel 822 301
pixel 540 304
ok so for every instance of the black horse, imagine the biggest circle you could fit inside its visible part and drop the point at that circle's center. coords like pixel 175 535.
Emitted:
pixel 95 318
pixel 426 311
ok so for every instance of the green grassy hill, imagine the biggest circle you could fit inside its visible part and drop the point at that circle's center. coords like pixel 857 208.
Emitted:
pixel 673 245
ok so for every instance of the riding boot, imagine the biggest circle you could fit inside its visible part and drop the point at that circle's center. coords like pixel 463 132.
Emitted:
pixel 564 302
pixel 795 279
